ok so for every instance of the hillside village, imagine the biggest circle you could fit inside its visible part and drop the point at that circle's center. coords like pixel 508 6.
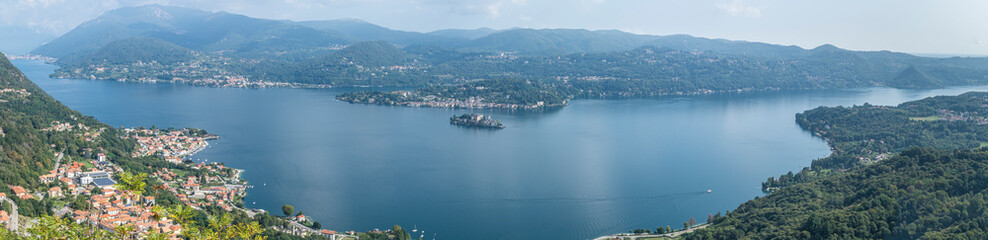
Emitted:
pixel 195 185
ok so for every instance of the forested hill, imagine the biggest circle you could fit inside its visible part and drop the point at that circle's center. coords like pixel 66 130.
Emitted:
pixel 916 170
pixel 918 194
pixel 27 150
pixel 863 135
pixel 133 51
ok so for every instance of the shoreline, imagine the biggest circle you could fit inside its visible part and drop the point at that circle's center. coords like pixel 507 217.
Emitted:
pixel 632 236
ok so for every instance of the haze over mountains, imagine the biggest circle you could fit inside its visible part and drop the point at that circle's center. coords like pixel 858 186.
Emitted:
pixel 182 44
pixel 201 30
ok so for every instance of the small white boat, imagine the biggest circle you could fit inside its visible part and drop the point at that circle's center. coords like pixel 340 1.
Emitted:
pixel 709 191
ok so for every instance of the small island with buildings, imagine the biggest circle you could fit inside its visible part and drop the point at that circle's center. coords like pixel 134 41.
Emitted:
pixel 475 120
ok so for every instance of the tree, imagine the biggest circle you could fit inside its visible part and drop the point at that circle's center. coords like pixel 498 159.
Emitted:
pixel 288 210
pixel 668 229
pixel 124 232
pixel 710 218
pixel 400 233
pixel 316 225
pixel 692 221
pixel 686 225
pixel 133 184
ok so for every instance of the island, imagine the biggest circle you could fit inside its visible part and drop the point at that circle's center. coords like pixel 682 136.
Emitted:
pixel 475 120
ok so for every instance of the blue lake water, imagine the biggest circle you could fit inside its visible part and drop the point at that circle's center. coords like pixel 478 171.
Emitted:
pixel 592 168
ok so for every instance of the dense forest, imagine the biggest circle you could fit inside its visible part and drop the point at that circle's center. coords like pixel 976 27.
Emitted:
pixel 916 170
pixel 920 193
pixel 860 135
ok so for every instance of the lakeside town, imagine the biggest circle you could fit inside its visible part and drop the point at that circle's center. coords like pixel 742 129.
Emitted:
pixel 202 71
pixel 414 99
pixel 95 191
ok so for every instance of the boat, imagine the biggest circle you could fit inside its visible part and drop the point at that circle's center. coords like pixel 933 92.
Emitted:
pixel 416 229
pixel 709 191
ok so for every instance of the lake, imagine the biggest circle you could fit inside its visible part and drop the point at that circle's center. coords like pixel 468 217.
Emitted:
pixel 592 168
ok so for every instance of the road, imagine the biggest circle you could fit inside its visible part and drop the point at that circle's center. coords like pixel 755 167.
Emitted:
pixel 248 212
pixel 12 225
pixel 304 228
pixel 58 162
pixel 629 236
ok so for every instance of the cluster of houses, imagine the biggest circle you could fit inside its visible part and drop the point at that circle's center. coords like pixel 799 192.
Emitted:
pixel 111 208
pixel 196 72
pixel 470 103
pixel 79 179
pixel 20 92
pixel 213 189
pixel 953 116
pixel 171 144
pixel 83 131
pixel 114 208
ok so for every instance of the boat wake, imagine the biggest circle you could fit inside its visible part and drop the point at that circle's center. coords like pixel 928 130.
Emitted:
pixel 601 199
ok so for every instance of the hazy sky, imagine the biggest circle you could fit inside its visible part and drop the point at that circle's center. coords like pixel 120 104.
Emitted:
pixel 915 26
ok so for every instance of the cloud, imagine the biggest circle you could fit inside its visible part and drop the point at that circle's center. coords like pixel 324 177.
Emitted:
pixel 737 8
pixel 490 8
pixel 39 3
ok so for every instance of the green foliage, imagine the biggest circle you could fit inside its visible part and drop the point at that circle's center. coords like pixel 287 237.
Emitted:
pixel 288 210
pixel 133 50
pixel 863 134
pixel 316 225
pixel 920 193
pixel 369 54
pixel 400 233
pixel 49 227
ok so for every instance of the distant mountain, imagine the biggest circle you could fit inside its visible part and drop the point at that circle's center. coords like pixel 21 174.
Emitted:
pixel 914 78
pixel 190 28
pixel 316 52
pixel 21 40
pixel 566 41
pixel 687 42
pixel 370 54
pixel 559 41
pixel 134 50
pixel 469 34
pixel 364 31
